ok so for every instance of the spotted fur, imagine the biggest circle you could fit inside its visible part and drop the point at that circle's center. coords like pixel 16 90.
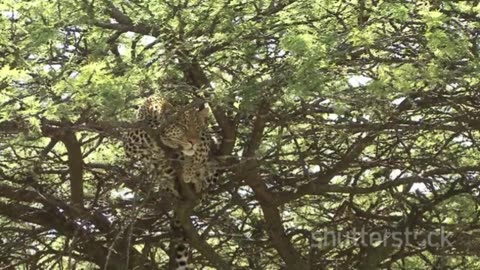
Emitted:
pixel 174 141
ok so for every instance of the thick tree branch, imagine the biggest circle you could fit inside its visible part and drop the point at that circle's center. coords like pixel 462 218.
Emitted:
pixel 183 211
pixel 75 164
pixel 273 221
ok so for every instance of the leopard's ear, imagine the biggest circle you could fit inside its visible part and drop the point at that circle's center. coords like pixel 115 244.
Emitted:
pixel 168 109
pixel 203 110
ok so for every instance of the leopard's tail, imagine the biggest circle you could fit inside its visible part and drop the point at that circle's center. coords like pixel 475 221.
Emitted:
pixel 181 246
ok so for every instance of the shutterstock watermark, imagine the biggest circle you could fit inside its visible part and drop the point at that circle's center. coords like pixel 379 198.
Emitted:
pixel 387 237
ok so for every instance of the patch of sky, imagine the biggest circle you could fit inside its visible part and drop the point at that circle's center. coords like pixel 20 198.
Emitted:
pixel 11 14
pixel 358 80
pixel 122 193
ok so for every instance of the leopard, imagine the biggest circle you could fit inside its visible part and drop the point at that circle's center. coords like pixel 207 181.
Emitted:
pixel 173 144
pixel 181 130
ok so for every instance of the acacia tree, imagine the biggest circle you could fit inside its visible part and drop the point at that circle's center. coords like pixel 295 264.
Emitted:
pixel 332 116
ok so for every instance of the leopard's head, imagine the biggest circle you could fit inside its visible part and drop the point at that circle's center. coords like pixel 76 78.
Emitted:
pixel 153 110
pixel 185 129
